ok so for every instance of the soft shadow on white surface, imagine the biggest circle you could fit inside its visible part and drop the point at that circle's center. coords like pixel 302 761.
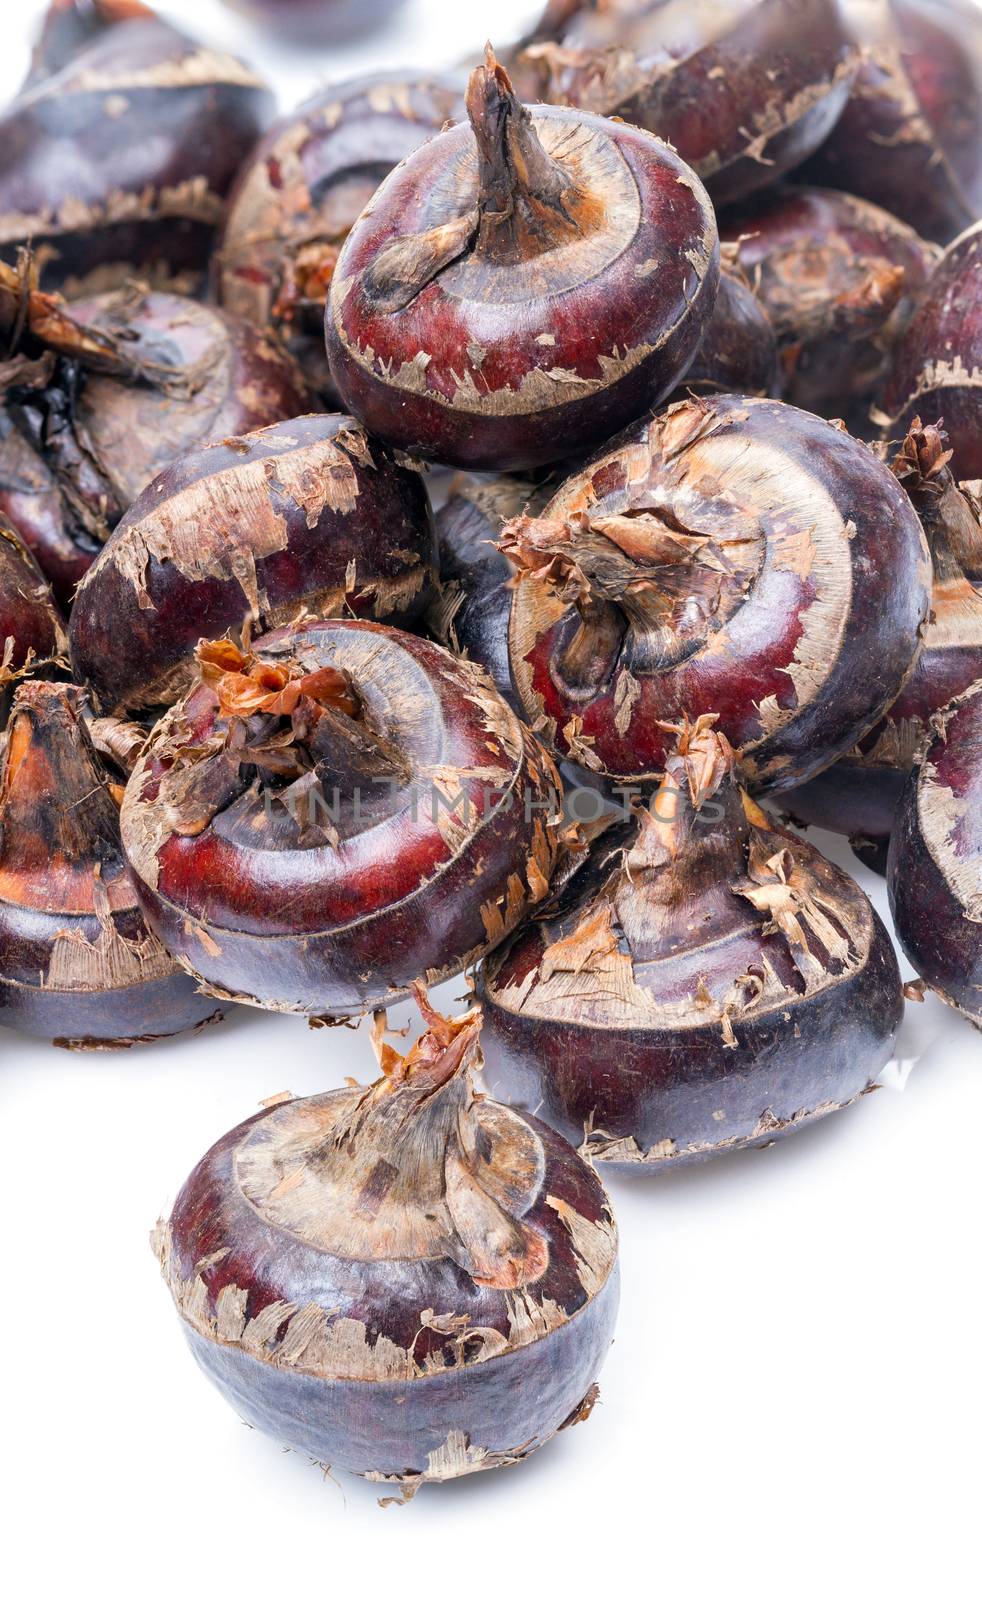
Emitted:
pixel 792 1405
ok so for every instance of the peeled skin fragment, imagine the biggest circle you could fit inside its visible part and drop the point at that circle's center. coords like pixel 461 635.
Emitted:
pixel 302 190
pixel 78 963
pixel 934 871
pixel 407 1281
pixel 117 155
pixel 713 983
pixel 335 815
pixel 521 287
pixel 744 90
pixel 936 368
pixel 731 556
pixel 305 518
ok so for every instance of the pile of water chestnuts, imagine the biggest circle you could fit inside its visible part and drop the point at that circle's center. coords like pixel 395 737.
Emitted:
pixel 689 298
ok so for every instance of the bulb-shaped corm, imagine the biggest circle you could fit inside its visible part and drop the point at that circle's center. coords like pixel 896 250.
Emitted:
pixel 307 518
pixel 406 1280
pixel 342 811
pixel 743 91
pixel 300 193
pixel 840 279
pixel 302 23
pixel 910 137
pixel 522 286
pixel 858 796
pixel 117 155
pixel 936 367
pixel 78 963
pixel 712 984
pixel 730 555
pixel 935 862
pixel 104 393
pixel 738 353
pixel 32 634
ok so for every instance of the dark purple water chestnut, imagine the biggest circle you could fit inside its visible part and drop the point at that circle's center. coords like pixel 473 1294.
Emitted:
pixel 858 796
pixel 730 555
pixel 305 518
pixel 302 23
pixel 713 984
pixel 100 396
pixel 738 353
pixel 300 193
pixel 117 155
pixel 744 91
pixel 32 634
pixel 78 964
pixel 910 137
pixel 840 279
pixel 936 367
pixel 343 811
pixel 407 1281
pixel 935 865
pixel 519 288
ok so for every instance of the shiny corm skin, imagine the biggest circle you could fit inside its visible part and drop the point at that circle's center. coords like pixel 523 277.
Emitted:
pixel 117 155
pixel 744 91
pixel 936 367
pixel 78 964
pixel 298 196
pixel 859 795
pixel 732 556
pixel 935 863
pixel 346 810
pixel 305 518
pixel 431 1295
pixel 520 288
pixel 471 614
pixel 109 391
pixel 910 137
pixel 713 983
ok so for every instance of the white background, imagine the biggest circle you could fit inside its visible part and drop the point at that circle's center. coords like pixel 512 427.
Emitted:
pixel 792 1404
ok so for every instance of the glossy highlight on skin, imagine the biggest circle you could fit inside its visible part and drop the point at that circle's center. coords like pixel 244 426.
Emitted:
pixel 521 287
pixel 444 833
pixel 435 1294
pixel 731 556
pixel 117 155
pixel 78 964
pixel 306 517
pixel 707 981
pixel 112 389
pixel 743 91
